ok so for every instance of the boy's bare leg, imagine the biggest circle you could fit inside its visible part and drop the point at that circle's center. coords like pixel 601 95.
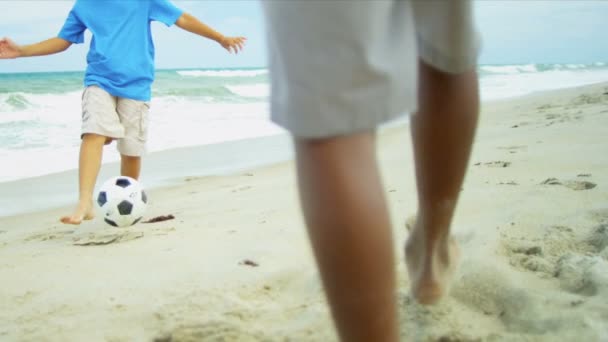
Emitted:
pixel 443 132
pixel 91 150
pixel 130 166
pixel 349 227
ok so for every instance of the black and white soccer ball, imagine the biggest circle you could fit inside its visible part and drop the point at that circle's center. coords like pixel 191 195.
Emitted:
pixel 121 201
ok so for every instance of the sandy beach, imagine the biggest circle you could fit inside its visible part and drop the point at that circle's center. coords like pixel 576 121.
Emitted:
pixel 235 264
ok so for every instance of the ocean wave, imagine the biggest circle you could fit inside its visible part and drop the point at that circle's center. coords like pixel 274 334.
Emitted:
pixel 18 111
pixel 513 69
pixel 211 92
pixel 495 86
pixel 223 73
pixel 508 69
pixel 13 102
pixel 20 101
pixel 234 93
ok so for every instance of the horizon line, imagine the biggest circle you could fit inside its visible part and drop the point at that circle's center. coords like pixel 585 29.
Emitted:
pixel 604 63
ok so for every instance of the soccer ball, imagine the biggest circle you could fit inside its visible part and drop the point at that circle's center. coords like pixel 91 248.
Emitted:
pixel 121 201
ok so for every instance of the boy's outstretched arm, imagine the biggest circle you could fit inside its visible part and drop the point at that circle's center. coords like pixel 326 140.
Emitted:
pixel 9 49
pixel 191 24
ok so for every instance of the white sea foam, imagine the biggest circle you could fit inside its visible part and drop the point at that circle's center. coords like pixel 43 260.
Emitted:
pixel 508 69
pixel 516 84
pixel 173 123
pixel 223 73
pixel 187 123
pixel 16 106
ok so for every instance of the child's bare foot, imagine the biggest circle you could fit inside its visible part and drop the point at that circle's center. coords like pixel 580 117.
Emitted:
pixel 84 211
pixel 431 265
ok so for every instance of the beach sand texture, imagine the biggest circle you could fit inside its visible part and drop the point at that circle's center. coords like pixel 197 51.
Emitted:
pixel 235 264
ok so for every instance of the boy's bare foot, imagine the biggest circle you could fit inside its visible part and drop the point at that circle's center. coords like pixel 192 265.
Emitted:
pixel 84 211
pixel 431 265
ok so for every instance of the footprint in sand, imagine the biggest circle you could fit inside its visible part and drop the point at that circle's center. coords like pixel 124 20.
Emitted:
pixel 513 149
pixel 522 312
pixel 210 331
pixel 574 309
pixel 572 184
pixel 582 274
pixel 50 235
pixel 508 183
pixel 543 254
pixel 546 106
pixel 497 163
pixel 578 261
pixel 579 185
pixel 529 256
pixel 106 237
pixel 599 237
pixel 588 99
pixel 207 316
pixel 551 181
pixel 520 124
pixel 554 119
pixel 529 313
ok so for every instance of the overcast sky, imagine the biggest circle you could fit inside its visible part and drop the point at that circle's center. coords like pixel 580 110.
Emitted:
pixel 513 32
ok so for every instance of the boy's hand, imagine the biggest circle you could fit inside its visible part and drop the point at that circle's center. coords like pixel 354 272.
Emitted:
pixel 233 44
pixel 8 49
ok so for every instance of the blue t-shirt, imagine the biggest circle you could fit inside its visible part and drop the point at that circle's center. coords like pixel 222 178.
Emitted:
pixel 121 56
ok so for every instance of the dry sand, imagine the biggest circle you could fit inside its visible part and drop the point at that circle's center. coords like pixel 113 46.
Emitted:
pixel 235 264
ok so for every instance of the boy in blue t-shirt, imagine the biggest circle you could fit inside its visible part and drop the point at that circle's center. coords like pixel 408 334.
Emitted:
pixel 118 79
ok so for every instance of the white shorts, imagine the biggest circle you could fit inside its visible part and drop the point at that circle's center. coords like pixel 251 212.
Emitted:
pixel 119 118
pixel 338 67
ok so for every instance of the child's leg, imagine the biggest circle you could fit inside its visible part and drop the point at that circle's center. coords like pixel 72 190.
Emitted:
pixel 130 166
pixel 443 132
pixel 349 226
pixel 91 150
pixel 134 118
pixel 100 125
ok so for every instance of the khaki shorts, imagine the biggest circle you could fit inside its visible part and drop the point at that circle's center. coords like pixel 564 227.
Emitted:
pixel 338 67
pixel 118 118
